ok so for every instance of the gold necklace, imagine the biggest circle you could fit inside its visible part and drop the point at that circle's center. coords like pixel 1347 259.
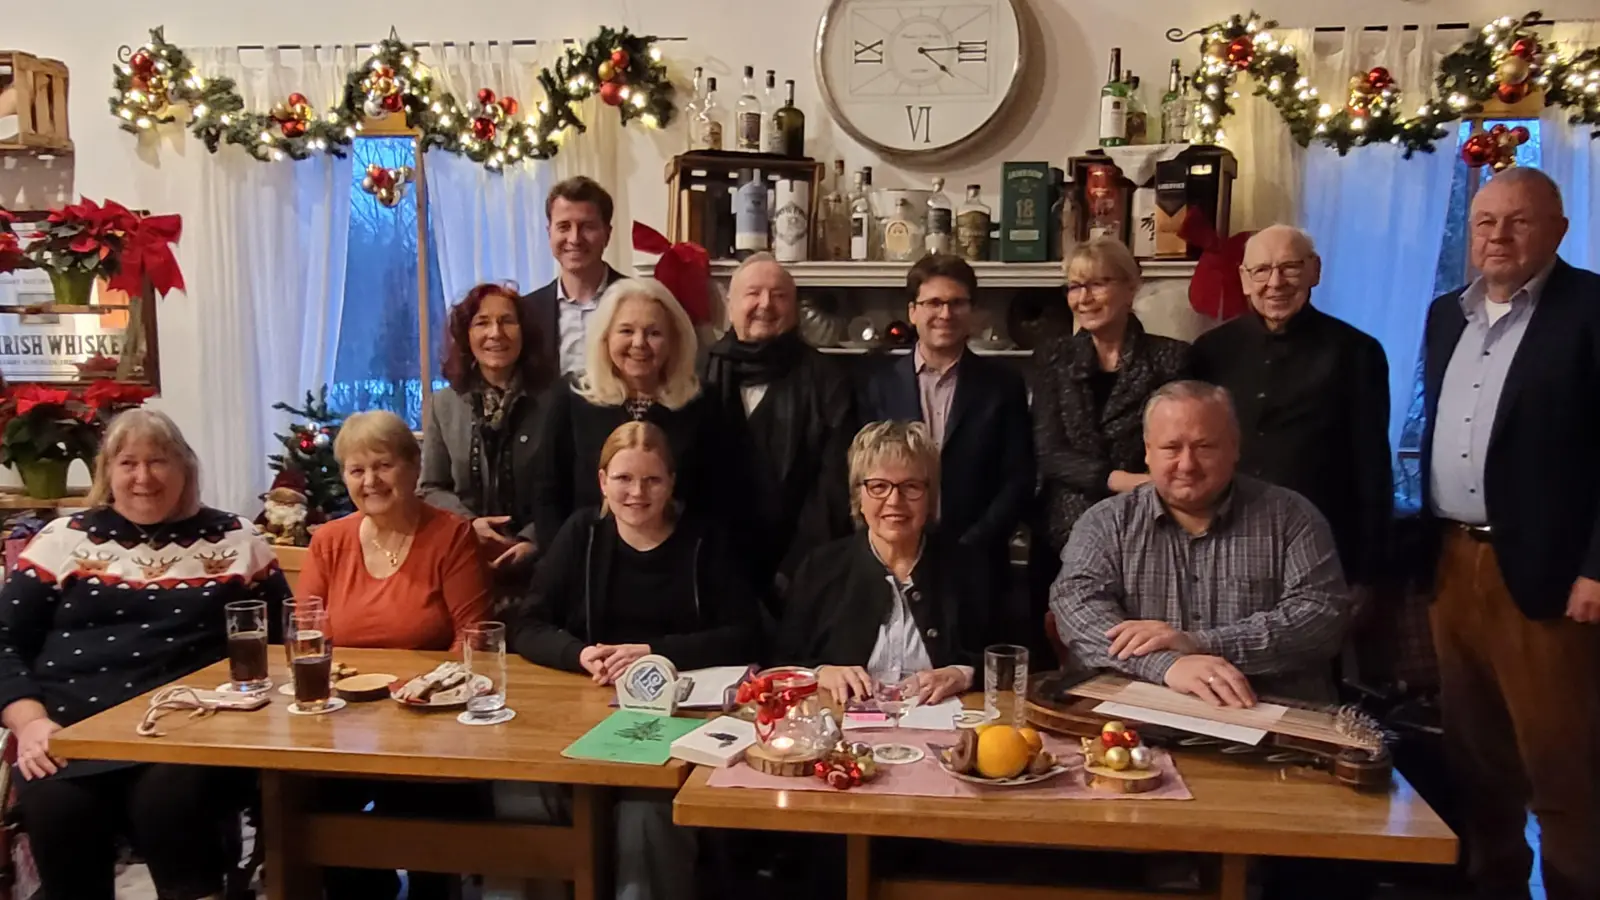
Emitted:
pixel 393 556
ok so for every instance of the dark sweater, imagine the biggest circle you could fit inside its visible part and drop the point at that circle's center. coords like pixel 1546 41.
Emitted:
pixel 565 466
pixel 100 610
pixel 580 596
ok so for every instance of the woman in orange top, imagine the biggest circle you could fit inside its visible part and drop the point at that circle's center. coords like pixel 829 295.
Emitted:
pixel 403 575
pixel 398 573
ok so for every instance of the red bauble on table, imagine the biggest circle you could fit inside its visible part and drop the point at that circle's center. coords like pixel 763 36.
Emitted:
pixel 483 129
pixel 1478 151
pixel 508 105
pixel 1379 78
pixel 1511 93
pixel 142 63
pixel 1241 50
pixel 393 103
pixel 611 93
pixel 619 58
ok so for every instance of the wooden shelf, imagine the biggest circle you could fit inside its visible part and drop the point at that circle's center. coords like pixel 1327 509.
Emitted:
pixel 893 275
pixel 64 309
pixel 14 498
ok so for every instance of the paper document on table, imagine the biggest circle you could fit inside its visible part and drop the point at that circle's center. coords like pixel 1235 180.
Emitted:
pixel 1155 696
pixel 937 717
pixel 1236 733
pixel 710 685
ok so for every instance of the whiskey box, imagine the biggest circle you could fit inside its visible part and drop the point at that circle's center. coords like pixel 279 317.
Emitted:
pixel 1142 230
pixel 1197 182
pixel 1025 212
pixel 1172 204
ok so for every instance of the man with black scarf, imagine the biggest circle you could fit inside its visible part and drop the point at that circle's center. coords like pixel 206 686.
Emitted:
pixel 791 414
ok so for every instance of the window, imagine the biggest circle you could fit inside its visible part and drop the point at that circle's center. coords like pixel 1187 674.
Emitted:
pixel 1453 271
pixel 382 353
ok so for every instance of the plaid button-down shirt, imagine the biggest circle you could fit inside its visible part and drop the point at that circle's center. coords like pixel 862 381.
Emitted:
pixel 1261 588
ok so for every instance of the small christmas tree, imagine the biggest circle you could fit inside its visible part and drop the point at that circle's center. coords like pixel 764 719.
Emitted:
pixel 307 458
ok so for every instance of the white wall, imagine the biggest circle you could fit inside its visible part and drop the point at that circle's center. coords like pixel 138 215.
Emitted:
pixel 1054 120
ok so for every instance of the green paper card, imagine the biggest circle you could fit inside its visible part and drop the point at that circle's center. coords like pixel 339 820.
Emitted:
pixel 632 737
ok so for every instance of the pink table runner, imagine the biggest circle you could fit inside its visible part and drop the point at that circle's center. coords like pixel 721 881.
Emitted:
pixel 927 779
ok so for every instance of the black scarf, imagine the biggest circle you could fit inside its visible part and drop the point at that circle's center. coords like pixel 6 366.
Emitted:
pixel 491 413
pixel 734 363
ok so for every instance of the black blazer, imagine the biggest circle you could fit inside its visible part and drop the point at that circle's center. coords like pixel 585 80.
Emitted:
pixel 545 308
pixel 1078 451
pixel 1540 486
pixel 841 595
pixel 986 463
pixel 557 618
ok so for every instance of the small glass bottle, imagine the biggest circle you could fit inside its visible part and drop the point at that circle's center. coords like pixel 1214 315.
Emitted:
pixel 973 222
pixel 1138 116
pixel 1114 105
pixel 747 116
pixel 788 127
pixel 1174 107
pixel 708 126
pixel 860 220
pixel 903 234
pixel 771 140
pixel 691 110
pixel 791 220
pixel 941 220
pixel 874 233
pixel 833 220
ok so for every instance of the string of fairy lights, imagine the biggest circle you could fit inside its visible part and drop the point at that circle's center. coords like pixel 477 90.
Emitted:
pixel 1506 60
pixel 158 82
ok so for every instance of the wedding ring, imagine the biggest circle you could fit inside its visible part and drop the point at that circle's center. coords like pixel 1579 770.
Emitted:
pixel 1211 679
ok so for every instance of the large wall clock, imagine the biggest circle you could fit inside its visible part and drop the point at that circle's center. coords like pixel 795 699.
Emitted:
pixel 917 77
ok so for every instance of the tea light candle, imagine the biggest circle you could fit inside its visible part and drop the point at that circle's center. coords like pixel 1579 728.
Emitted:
pixel 782 746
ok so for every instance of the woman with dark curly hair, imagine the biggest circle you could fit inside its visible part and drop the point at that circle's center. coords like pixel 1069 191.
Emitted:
pixel 484 428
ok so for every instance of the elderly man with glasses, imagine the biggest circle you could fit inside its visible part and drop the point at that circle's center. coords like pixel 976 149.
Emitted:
pixel 1312 395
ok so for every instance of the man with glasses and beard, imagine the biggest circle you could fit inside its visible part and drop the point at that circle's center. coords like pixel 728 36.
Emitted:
pixel 1312 395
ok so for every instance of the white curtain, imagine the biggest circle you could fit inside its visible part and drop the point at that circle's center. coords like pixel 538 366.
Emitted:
pixel 1571 156
pixel 1271 164
pixel 264 256
pixel 489 226
pixel 1378 219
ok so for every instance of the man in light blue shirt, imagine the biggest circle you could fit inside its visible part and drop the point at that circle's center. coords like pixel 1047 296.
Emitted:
pixel 578 215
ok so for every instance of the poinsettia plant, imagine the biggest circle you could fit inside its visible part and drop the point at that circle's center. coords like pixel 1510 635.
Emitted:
pixel 43 422
pixel 10 248
pixel 83 237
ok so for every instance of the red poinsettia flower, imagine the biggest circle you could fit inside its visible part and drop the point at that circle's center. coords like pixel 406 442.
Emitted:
pixel 84 243
pixel 116 395
pixel 29 396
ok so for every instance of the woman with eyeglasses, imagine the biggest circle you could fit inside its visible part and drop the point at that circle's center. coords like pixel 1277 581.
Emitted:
pixel 883 604
pixel 1088 399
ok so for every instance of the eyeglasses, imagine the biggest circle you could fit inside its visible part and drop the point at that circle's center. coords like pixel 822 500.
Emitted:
pixel 1291 271
pixel 936 306
pixel 1099 285
pixel 881 488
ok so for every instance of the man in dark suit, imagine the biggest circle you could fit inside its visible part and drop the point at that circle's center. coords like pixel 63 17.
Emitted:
pixel 977 411
pixel 577 216
pixel 1312 395
pixel 1512 393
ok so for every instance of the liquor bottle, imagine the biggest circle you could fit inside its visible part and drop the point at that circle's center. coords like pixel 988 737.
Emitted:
pixel 770 139
pixel 787 129
pixel 874 233
pixel 833 220
pixel 903 237
pixel 1138 117
pixel 691 110
pixel 1191 122
pixel 751 217
pixel 1069 216
pixel 973 223
pixel 747 116
pixel 860 220
pixel 941 220
pixel 791 220
pixel 708 125
pixel 1114 105
pixel 1174 108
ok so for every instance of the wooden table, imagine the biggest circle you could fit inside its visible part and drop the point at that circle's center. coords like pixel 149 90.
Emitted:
pixel 382 739
pixel 1240 810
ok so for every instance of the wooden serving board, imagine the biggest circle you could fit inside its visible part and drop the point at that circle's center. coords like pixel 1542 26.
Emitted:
pixel 789 766
pixel 1127 781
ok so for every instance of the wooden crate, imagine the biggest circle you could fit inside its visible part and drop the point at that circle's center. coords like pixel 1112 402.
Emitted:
pixel 37 88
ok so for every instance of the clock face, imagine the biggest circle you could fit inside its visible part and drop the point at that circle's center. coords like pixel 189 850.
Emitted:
pixel 912 76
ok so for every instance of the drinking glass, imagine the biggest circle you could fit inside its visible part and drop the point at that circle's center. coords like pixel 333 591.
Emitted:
pixel 290 607
pixel 1005 684
pixel 311 659
pixel 247 645
pixel 895 697
pixel 483 652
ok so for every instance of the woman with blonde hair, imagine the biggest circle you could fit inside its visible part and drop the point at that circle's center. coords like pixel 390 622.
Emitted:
pixel 640 368
pixel 71 646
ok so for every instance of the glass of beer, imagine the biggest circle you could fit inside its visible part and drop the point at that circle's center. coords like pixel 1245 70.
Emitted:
pixel 483 652
pixel 247 645
pixel 311 659
pixel 1005 684
pixel 290 607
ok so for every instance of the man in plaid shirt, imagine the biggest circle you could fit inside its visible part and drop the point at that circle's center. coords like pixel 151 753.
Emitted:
pixel 1213 584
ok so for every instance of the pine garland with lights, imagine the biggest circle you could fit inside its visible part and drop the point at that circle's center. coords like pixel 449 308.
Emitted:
pixel 308 453
pixel 1505 60
pixel 154 82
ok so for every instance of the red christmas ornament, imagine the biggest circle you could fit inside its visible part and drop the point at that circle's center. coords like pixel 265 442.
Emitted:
pixel 611 93
pixel 307 444
pixel 293 128
pixel 619 59
pixel 1498 130
pixel 298 100
pixel 1130 738
pixel 839 779
pixel 393 102
pixel 1521 134
pixel 483 129
pixel 1511 93
pixel 1379 78
pixel 509 106
pixel 142 63
pixel 1109 739
pixel 1241 50
pixel 1525 48
pixel 383 72
pixel 1478 151
pixel 140 83
pixel 486 97
pixel 821 768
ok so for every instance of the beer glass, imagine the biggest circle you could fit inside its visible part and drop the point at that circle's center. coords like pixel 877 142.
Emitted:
pixel 311 659
pixel 1005 684
pixel 247 645
pixel 483 652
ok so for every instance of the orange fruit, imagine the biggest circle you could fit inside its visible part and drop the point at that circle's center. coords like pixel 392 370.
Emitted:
pixel 1002 752
pixel 1035 742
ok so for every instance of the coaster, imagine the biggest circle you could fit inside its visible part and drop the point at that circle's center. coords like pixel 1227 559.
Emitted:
pixel 916 756
pixel 287 690
pixel 334 705
pixel 506 714
pixel 228 687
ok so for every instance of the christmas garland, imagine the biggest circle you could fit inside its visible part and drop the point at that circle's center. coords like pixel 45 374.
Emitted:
pixel 1505 60
pixel 625 69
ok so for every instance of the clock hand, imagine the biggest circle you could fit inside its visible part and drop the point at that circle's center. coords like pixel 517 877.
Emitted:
pixel 942 67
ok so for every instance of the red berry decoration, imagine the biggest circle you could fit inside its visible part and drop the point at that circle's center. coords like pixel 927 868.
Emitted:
pixel 508 105
pixel 1379 78
pixel 1241 50
pixel 1525 48
pixel 611 93
pixel 1511 93
pixel 1477 151
pixel 393 103
pixel 619 58
pixel 142 62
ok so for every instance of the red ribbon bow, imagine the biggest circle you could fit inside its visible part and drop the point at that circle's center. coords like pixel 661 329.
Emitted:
pixel 1215 290
pixel 685 268
pixel 772 704
pixel 147 254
